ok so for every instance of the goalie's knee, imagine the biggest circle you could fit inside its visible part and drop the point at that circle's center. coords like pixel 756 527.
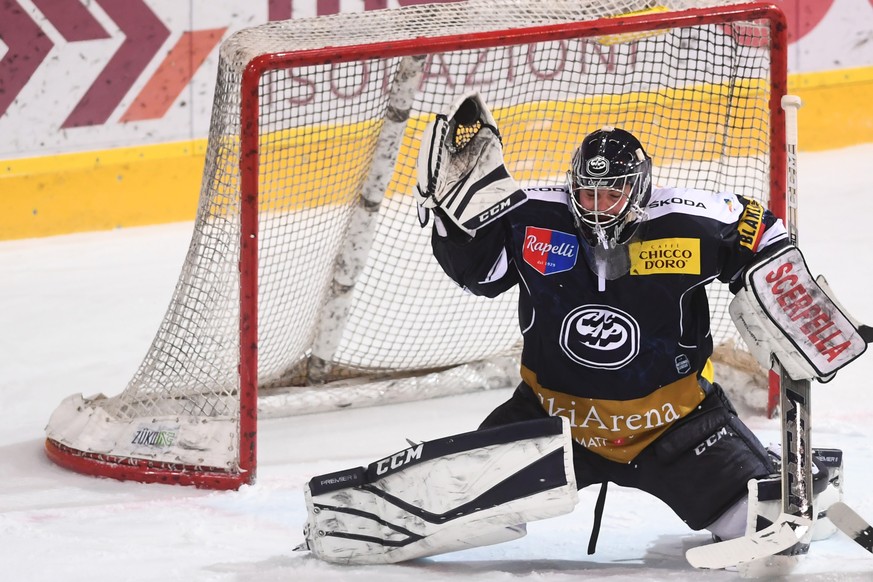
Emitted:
pixel 458 492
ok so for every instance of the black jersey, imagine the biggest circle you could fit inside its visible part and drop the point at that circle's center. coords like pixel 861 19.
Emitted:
pixel 622 359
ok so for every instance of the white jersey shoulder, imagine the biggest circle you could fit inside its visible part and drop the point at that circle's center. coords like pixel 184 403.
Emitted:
pixel 547 193
pixel 721 206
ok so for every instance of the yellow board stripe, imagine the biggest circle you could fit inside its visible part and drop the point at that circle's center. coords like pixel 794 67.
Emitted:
pixel 152 184
pixel 102 190
pixel 83 161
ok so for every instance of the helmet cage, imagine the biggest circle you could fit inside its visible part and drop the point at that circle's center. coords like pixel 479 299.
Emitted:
pixel 609 161
pixel 606 223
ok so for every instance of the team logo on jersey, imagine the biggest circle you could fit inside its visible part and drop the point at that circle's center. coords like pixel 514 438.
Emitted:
pixel 549 251
pixel 666 256
pixel 750 225
pixel 597 166
pixel 599 336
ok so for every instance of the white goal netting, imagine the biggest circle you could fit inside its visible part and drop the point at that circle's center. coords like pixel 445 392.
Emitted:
pixel 306 232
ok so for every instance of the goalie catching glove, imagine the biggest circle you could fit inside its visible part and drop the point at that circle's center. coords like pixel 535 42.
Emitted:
pixel 461 170
pixel 783 312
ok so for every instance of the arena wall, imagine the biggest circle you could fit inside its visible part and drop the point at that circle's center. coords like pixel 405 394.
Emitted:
pixel 105 106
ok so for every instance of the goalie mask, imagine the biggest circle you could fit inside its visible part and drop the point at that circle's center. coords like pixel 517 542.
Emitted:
pixel 610 182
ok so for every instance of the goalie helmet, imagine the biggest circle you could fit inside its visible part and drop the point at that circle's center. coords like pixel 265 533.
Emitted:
pixel 615 173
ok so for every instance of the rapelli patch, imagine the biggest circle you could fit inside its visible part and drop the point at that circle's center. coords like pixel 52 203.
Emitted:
pixel 666 256
pixel 550 251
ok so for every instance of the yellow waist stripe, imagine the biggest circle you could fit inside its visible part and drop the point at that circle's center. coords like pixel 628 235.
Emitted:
pixel 620 429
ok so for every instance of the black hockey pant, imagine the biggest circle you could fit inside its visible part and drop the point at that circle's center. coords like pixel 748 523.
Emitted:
pixel 699 467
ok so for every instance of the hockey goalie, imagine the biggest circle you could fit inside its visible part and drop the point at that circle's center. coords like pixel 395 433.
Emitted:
pixel 617 383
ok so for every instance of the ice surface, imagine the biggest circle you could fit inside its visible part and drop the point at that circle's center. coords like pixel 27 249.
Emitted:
pixel 78 312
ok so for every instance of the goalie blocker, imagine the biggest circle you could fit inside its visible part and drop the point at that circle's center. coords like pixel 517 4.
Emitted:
pixel 468 490
pixel 783 311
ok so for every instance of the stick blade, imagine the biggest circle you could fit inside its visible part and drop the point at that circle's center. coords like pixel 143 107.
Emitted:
pixel 853 525
pixel 779 537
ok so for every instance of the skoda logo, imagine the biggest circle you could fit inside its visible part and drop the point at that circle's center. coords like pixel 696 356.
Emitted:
pixel 597 166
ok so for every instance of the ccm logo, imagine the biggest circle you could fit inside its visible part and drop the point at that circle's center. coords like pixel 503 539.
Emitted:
pixel 397 460
pixel 713 438
pixel 495 210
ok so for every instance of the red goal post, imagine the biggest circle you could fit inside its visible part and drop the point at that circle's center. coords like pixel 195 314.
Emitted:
pixel 308 281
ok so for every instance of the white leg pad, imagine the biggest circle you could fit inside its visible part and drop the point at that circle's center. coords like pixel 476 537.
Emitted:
pixel 465 491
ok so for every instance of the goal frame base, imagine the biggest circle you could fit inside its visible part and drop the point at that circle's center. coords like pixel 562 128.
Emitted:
pixel 141 470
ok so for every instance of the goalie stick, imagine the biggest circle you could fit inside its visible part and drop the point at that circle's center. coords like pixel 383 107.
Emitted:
pixel 791 532
pixel 792 529
pixel 796 393
pixel 795 397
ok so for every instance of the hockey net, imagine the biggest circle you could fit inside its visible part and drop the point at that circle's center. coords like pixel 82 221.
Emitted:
pixel 308 281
